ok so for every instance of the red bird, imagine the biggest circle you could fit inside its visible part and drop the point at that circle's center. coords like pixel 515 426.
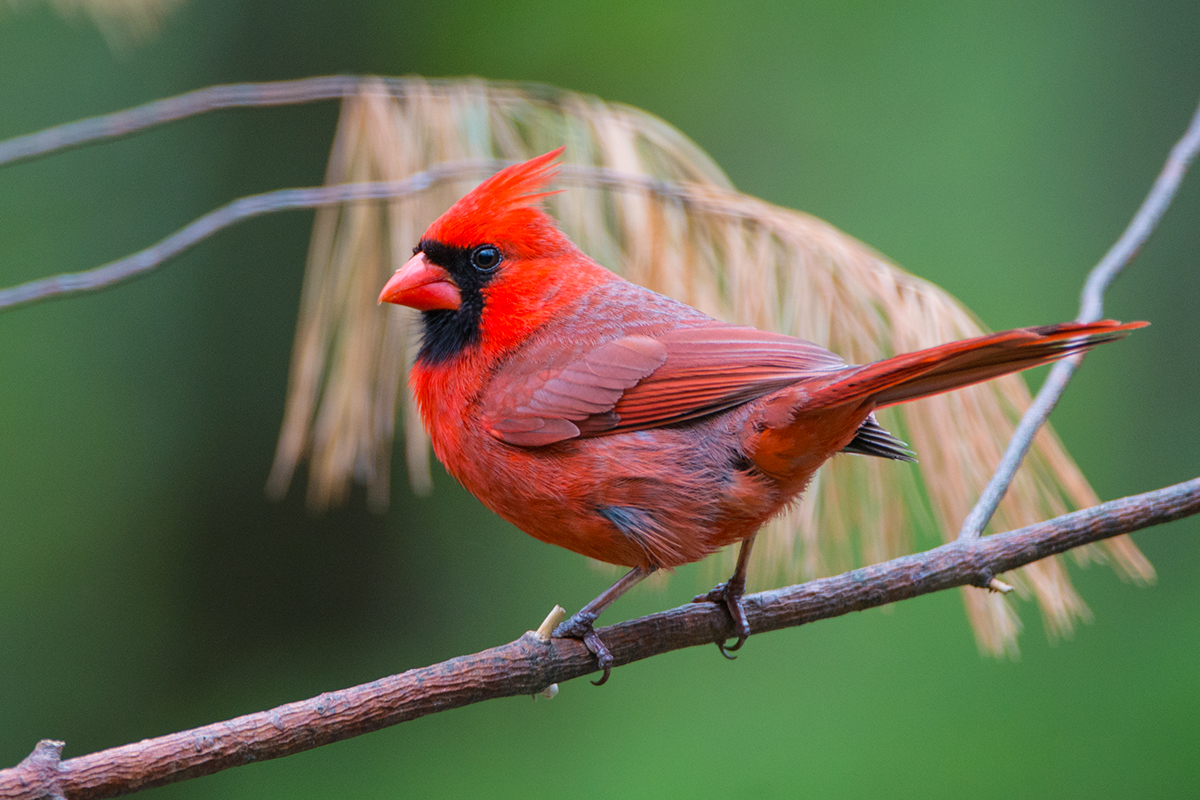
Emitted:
pixel 613 421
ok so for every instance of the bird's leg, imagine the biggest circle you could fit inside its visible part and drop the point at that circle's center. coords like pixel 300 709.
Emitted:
pixel 730 593
pixel 579 626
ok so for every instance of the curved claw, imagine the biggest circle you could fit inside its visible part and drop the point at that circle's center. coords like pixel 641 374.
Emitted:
pixel 580 627
pixel 604 658
pixel 731 598
pixel 725 651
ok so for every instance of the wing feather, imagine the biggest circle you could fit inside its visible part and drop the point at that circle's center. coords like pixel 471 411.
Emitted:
pixel 710 369
pixel 645 381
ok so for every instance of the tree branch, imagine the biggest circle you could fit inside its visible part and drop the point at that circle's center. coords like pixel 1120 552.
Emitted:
pixel 244 208
pixel 229 214
pixel 1091 306
pixel 94 130
pixel 531 663
pixel 170 109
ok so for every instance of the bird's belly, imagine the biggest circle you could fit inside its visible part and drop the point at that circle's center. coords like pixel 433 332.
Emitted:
pixel 654 498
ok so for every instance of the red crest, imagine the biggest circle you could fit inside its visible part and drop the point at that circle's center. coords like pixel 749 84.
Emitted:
pixel 505 210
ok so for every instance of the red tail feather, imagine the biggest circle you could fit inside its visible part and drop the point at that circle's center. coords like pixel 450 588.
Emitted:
pixel 951 366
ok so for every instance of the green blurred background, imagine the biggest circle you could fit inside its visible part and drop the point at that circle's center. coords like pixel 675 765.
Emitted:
pixel 146 584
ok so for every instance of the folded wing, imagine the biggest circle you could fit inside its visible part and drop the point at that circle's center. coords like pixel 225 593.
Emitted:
pixel 647 381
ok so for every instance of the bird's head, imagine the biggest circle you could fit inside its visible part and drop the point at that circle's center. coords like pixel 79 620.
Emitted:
pixel 494 262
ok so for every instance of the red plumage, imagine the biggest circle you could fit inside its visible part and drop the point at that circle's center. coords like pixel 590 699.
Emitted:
pixel 605 418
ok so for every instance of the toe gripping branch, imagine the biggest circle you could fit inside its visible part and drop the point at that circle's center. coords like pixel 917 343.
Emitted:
pixel 730 594
pixel 580 626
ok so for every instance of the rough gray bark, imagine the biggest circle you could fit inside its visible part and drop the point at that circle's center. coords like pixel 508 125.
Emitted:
pixel 530 664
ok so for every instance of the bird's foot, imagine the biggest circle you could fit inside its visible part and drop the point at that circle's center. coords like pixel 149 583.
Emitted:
pixel 580 627
pixel 730 594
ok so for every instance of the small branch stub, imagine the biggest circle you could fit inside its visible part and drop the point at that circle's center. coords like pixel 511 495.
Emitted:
pixel 556 615
pixel 39 769
pixel 997 585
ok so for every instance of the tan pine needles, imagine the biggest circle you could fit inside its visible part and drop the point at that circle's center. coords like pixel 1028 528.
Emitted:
pixel 645 201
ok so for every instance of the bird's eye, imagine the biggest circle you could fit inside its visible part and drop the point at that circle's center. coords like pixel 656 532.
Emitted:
pixel 485 258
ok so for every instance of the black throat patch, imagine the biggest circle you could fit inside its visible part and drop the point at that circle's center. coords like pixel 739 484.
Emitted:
pixel 449 331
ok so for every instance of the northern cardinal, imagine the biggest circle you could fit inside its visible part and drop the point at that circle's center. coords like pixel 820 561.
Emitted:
pixel 605 418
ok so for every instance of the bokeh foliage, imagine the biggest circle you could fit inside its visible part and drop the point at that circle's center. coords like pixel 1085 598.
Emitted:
pixel 147 585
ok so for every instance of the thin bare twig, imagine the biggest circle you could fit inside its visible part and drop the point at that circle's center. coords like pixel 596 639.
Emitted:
pixel 531 664
pixel 236 211
pixel 1091 306
pixel 244 208
pixel 169 109
pixel 102 128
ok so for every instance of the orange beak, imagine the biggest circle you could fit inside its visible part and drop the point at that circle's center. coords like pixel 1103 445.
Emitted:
pixel 421 285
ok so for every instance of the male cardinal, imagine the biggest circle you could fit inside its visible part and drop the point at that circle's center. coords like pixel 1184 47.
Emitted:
pixel 605 418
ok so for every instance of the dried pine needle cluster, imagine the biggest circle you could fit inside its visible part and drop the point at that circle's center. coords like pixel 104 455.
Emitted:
pixel 642 199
